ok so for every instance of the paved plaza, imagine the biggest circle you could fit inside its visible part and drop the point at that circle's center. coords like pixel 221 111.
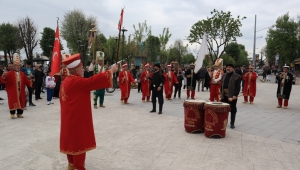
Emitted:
pixel 130 138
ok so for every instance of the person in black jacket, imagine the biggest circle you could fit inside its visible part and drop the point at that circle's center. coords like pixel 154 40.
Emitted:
pixel 230 89
pixel 178 86
pixel 86 73
pixel 38 76
pixel 268 74
pixel 157 84
pixel 191 78
pixel 207 78
pixel 201 78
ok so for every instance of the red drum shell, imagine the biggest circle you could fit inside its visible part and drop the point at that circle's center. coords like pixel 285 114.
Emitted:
pixel 216 119
pixel 193 116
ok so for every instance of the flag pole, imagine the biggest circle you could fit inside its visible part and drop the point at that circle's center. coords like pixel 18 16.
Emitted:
pixel 120 27
pixel 93 31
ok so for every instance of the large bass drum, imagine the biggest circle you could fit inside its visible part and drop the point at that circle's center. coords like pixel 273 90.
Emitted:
pixel 193 116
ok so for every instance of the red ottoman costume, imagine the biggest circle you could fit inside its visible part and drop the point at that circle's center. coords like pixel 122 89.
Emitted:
pixel 250 85
pixel 146 92
pixel 15 82
pixel 215 83
pixel 170 80
pixel 77 131
pixel 125 80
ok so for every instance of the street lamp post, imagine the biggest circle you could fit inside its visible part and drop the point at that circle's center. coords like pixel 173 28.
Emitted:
pixel 123 30
pixel 254 44
pixel 179 53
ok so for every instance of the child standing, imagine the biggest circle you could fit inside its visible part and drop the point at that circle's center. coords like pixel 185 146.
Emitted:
pixel 50 84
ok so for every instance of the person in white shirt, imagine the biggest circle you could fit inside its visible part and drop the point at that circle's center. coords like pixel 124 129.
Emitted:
pixel 50 84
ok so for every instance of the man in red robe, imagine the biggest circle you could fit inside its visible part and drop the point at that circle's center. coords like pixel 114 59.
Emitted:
pixel 249 85
pixel 15 82
pixel 125 80
pixel 170 80
pixel 215 82
pixel 77 131
pixel 146 93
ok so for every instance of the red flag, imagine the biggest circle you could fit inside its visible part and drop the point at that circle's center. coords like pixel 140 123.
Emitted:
pixel 121 20
pixel 56 55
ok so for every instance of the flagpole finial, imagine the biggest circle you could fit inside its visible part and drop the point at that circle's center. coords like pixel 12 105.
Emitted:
pixel 57 20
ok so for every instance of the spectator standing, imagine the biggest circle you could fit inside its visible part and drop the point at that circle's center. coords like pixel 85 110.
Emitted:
pixel 184 78
pixel 57 85
pixel 1 72
pixel 178 86
pixel 86 73
pixel 50 85
pixel 29 72
pixel 207 79
pixel 201 78
pixel 38 83
pixel 138 79
pixel 268 72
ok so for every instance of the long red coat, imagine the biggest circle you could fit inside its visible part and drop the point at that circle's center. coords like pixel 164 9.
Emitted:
pixel 250 84
pixel 146 83
pixel 125 80
pixel 169 82
pixel 16 99
pixel 77 130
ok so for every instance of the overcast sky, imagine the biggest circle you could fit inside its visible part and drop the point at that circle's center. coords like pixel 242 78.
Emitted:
pixel 177 15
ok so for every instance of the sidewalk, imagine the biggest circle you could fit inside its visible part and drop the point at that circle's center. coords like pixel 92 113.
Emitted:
pixel 130 138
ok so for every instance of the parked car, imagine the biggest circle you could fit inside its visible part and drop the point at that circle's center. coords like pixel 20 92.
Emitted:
pixel 259 71
pixel 280 71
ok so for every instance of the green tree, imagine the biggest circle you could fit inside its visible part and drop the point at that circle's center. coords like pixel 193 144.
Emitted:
pixel 221 29
pixel 153 48
pixel 227 59
pixel 173 54
pixel 164 38
pixel 75 30
pixel 9 40
pixel 188 58
pixel 110 51
pixel 28 36
pixel 47 41
pixel 238 53
pixel 283 40
pixel 142 32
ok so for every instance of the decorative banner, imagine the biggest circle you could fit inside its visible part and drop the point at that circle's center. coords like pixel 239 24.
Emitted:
pixel 121 20
pixel 201 54
pixel 56 55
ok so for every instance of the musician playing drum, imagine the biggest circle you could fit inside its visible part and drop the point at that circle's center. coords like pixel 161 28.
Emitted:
pixel 231 85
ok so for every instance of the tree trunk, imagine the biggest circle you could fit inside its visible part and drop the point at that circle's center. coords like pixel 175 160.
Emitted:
pixel 5 58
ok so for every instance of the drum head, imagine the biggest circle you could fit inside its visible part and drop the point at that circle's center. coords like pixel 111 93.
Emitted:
pixel 195 101
pixel 217 103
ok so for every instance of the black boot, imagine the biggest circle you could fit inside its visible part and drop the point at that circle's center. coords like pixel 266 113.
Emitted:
pixel 153 108
pixel 232 120
pixel 160 109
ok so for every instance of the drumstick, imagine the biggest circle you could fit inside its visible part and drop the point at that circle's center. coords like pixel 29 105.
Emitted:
pixel 230 99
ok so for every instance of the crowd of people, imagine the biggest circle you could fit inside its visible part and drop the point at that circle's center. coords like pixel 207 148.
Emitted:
pixel 155 83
